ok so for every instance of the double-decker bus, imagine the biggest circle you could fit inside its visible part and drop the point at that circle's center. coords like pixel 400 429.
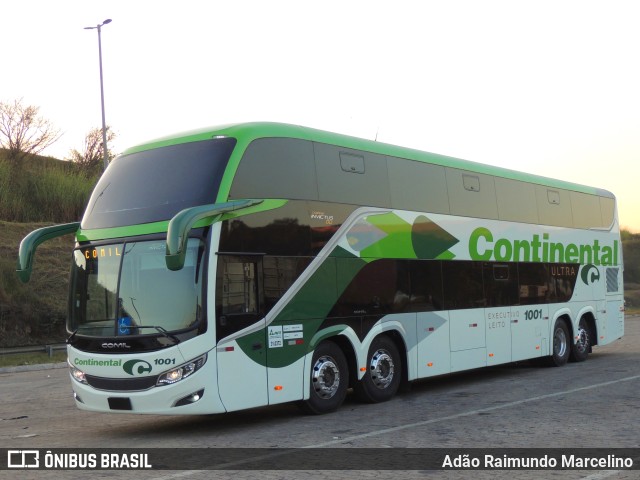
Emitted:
pixel 261 263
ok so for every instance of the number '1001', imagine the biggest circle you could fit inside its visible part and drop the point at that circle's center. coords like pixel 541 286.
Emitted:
pixel 533 314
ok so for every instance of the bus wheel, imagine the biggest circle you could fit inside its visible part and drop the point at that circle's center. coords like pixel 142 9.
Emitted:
pixel 580 349
pixel 561 345
pixel 384 372
pixel 329 379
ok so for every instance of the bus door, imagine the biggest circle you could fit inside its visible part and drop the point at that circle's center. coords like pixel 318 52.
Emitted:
pixel 242 371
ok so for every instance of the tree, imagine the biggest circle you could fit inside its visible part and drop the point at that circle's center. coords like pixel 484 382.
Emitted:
pixel 631 255
pixel 91 159
pixel 627 235
pixel 23 131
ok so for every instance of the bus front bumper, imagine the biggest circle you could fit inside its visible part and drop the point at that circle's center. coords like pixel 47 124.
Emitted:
pixel 197 394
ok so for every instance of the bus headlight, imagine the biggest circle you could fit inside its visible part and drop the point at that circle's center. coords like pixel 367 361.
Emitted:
pixel 183 371
pixel 78 375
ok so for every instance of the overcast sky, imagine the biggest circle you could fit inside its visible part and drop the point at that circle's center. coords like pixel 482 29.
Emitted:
pixel 547 87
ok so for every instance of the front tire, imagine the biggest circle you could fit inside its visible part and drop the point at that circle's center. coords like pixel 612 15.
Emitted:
pixel 329 379
pixel 561 344
pixel 384 372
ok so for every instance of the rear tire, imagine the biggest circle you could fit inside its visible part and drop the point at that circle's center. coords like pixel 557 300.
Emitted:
pixel 329 379
pixel 561 345
pixel 384 372
pixel 580 350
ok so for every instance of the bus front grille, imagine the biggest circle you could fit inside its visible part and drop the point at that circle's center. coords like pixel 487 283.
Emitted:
pixel 122 384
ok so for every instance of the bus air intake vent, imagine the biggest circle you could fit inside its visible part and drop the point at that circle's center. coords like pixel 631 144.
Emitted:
pixel 612 280
pixel 119 403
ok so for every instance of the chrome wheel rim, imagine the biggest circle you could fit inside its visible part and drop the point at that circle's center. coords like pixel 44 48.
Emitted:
pixel 381 369
pixel 325 377
pixel 583 339
pixel 560 343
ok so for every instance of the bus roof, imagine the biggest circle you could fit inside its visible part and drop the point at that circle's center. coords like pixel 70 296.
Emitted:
pixel 245 133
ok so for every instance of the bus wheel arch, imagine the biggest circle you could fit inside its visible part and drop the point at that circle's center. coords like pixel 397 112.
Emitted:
pixel 350 355
pixel 560 342
pixel 385 369
pixel 584 338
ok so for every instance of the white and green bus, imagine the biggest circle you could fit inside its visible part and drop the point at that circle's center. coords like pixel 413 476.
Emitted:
pixel 261 263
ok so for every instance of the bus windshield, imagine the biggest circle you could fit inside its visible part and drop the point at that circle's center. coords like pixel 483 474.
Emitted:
pixel 126 289
pixel 154 185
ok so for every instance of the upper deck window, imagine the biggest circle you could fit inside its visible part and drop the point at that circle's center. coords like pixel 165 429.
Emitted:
pixel 154 185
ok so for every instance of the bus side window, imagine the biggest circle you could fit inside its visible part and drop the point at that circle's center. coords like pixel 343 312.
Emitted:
pixel 463 285
pixel 238 303
pixel 534 284
pixel 239 293
pixel 279 273
pixel 426 285
pixel 501 284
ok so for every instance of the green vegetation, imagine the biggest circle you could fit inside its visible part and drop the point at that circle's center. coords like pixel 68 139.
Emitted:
pixel 39 189
pixel 16 359
pixel 33 191
pixel 631 252
pixel 33 313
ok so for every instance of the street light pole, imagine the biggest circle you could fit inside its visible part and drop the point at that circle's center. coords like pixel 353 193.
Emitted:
pixel 104 125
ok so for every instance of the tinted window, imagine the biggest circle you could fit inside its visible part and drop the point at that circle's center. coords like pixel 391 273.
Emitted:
pixel 379 287
pixel 239 292
pixel 368 184
pixel 501 284
pixel 462 285
pixel 156 184
pixel 282 236
pixel 563 277
pixel 534 284
pixel 287 163
pixel 426 286
pixel 279 275
pixel 238 302
pixel 296 228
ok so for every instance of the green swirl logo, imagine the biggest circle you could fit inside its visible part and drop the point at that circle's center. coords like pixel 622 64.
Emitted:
pixel 137 367
pixel 590 274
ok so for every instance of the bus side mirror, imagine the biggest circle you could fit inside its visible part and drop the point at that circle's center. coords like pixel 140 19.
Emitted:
pixel 183 222
pixel 29 244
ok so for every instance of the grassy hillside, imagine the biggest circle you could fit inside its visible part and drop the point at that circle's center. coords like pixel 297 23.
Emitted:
pixel 34 191
pixel 33 313
pixel 42 189
pixel 631 252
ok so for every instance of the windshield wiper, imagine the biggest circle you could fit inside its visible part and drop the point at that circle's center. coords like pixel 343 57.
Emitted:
pixel 72 335
pixel 162 330
pixel 98 197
